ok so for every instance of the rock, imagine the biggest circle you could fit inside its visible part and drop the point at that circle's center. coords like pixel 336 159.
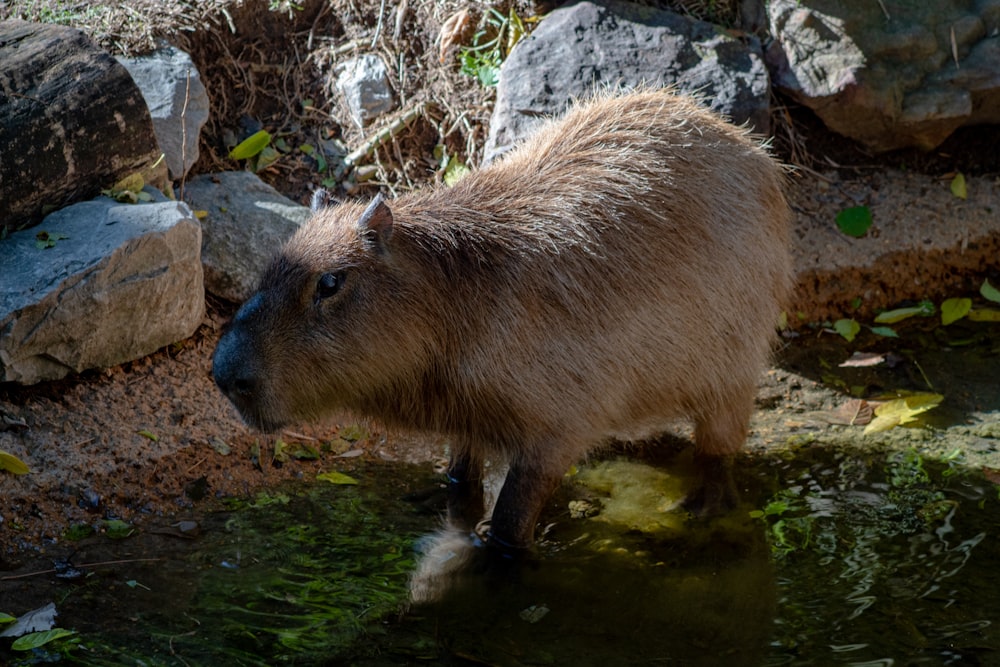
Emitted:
pixel 118 282
pixel 364 83
pixel 889 78
pixel 177 101
pixel 924 242
pixel 72 122
pixel 624 45
pixel 247 221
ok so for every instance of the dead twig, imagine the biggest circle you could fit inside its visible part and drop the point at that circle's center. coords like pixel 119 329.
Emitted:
pixel 101 564
pixel 389 131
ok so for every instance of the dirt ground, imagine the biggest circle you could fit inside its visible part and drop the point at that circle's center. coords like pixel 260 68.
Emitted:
pixel 153 439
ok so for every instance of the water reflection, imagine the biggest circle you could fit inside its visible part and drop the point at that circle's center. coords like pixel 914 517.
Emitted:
pixel 848 559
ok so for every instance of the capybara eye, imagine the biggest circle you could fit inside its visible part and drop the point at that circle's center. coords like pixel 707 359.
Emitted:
pixel 328 285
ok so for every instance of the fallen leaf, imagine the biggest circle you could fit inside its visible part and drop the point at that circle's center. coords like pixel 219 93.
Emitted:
pixel 885 332
pixel 854 221
pixel 454 31
pixel 148 434
pixel 351 454
pixel 335 477
pixel 958 187
pixel 251 146
pixel 902 411
pixel 925 308
pixel 12 464
pixel 36 639
pixel 847 328
pixel 863 360
pixel 984 315
pixel 953 310
pixel 989 292
pixel 854 412
pixel 36 620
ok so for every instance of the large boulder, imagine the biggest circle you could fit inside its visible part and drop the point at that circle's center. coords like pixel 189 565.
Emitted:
pixel 177 101
pixel 889 75
pixel 244 223
pixel 72 122
pixel 589 45
pixel 96 284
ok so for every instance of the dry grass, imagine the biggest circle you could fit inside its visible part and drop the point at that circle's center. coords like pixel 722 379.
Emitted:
pixel 271 64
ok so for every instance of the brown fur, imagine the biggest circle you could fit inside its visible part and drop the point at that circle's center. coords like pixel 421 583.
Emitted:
pixel 624 267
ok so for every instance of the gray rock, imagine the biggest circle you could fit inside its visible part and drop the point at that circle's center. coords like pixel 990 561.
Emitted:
pixel 125 281
pixel 623 45
pixel 247 221
pixel 364 83
pixel 889 81
pixel 167 78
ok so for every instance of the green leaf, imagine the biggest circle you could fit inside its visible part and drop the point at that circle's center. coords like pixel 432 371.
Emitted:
pixel 958 186
pixel 12 464
pixel 148 434
pixel 855 221
pixel 847 328
pixel 6 618
pixel 335 477
pixel 953 310
pixel 116 529
pixel 36 639
pixel 989 292
pixel 455 171
pixel 251 146
pixel 925 309
pixel 887 332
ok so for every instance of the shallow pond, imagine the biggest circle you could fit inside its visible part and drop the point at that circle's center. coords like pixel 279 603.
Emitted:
pixel 837 557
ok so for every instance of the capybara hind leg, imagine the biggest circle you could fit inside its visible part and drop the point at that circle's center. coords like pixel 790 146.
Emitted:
pixel 718 438
pixel 465 492
pixel 524 492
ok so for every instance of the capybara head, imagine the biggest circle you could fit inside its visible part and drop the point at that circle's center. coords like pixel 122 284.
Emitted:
pixel 308 339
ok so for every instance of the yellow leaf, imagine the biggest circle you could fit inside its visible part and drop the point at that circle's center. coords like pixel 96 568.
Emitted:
pixel 958 186
pixel 984 315
pixel 902 411
pixel 200 214
pixel 335 477
pixel 12 464
pixel 132 183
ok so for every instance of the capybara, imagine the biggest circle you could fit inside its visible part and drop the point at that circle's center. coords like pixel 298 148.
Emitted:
pixel 624 267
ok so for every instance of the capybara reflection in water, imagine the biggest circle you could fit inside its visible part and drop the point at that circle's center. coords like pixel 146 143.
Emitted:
pixel 624 267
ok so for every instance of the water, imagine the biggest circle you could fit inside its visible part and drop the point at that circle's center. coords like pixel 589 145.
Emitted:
pixel 837 557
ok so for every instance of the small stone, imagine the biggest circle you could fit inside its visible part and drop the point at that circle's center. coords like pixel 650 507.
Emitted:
pixel 364 83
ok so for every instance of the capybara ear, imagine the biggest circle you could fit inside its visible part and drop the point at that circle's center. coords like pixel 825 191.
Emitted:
pixel 375 224
pixel 322 199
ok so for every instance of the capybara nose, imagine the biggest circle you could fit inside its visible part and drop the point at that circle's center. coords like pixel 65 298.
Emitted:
pixel 234 376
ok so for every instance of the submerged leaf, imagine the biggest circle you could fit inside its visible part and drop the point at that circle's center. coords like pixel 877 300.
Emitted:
pixel 953 310
pixel 335 477
pixel 885 332
pixel 12 464
pixel 855 221
pixel 902 411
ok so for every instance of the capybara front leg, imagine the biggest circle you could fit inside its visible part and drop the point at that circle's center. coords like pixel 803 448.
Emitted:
pixel 524 492
pixel 465 492
pixel 717 441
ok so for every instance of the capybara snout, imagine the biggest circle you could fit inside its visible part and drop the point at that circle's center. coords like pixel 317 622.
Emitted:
pixel 623 268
